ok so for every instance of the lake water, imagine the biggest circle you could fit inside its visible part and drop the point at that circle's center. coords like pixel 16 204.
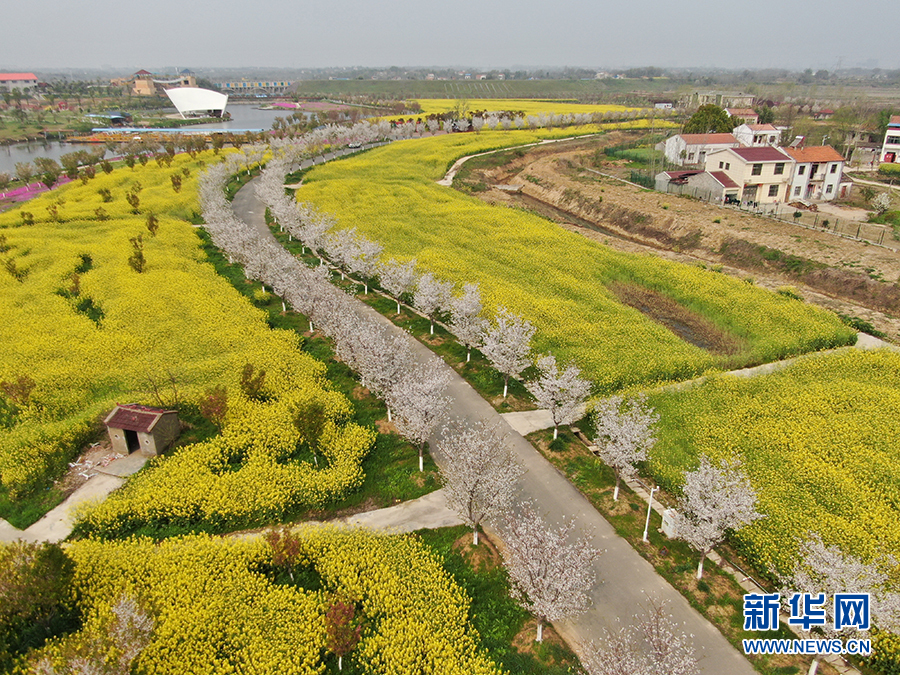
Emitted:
pixel 243 116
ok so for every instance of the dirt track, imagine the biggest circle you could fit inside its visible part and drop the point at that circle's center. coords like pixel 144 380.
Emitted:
pixel 846 276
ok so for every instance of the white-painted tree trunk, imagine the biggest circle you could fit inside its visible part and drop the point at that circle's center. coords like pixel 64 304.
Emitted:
pixel 555 433
pixel 475 537
pixel 421 463
pixel 310 326
pixel 366 286
pixel 389 414
pixel 505 387
pixel 398 307
pixel 700 566
pixel 432 327
pixel 814 666
pixel 340 663
pixel 468 354
pixel 283 306
pixel 540 631
pixel 616 493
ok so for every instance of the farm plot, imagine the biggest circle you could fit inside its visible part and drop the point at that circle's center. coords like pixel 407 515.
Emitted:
pixel 218 605
pixel 105 308
pixel 569 287
pixel 818 441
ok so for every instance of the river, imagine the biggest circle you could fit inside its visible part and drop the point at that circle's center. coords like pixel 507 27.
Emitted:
pixel 243 116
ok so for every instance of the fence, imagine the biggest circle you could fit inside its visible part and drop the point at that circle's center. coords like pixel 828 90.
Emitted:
pixel 881 235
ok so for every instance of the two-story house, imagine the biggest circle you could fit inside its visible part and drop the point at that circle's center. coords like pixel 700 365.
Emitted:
pixel 890 149
pixel 757 135
pixel 817 173
pixel 692 149
pixel 762 173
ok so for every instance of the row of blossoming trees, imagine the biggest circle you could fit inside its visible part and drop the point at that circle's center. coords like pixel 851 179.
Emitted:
pixel 550 576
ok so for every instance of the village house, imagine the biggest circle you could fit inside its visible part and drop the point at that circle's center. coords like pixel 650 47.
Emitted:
pixel 757 135
pixel 692 149
pixel 818 174
pixel 712 186
pixel 890 148
pixel 21 81
pixel 761 173
pixel 746 115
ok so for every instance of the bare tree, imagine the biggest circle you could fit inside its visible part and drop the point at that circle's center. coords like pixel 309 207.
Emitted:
pixel 825 571
pixel 480 474
pixel 716 499
pixel 652 646
pixel 465 315
pixel 624 434
pixel 562 393
pixel 550 575
pixel 432 296
pixel 419 403
pixel 398 278
pixel 507 345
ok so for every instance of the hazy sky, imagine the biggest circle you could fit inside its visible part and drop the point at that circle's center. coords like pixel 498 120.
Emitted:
pixel 155 34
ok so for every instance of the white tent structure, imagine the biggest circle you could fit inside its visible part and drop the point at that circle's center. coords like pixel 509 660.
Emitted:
pixel 193 101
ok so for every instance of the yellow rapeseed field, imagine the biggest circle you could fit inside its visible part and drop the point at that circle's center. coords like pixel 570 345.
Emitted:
pixel 556 279
pixel 818 441
pixel 216 608
pixel 87 331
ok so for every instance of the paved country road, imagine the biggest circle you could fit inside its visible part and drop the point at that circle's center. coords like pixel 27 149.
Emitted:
pixel 625 579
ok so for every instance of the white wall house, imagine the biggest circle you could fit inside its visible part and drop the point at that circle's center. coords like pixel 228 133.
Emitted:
pixel 20 81
pixel 748 115
pixel 762 174
pixel 817 173
pixel 692 149
pixel 890 149
pixel 757 135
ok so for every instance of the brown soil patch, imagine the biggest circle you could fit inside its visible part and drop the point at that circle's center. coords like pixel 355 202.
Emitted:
pixel 95 457
pixel 385 427
pixel 524 641
pixel 483 557
pixel 688 325
pixel 642 221
pixel 359 392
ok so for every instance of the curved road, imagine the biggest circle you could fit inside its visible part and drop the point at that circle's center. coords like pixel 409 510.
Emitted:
pixel 625 579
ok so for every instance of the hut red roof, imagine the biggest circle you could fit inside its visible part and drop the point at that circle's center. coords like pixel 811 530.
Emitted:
pixel 134 417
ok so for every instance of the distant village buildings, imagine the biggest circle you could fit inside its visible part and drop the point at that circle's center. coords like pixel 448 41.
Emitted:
pixel 18 81
pixel 890 148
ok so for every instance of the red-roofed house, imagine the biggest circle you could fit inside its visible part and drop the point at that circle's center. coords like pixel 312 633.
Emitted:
pixel 136 427
pixel 762 174
pixel 746 115
pixel 20 81
pixel 890 149
pixel 712 186
pixel 692 149
pixel 817 173
pixel 757 135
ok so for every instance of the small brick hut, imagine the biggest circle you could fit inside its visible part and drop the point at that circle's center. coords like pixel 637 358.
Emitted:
pixel 134 427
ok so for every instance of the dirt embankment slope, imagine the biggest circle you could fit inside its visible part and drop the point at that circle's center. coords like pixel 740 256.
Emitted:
pixel 562 183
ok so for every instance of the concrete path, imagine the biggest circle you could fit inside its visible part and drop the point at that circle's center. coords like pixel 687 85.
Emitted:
pixel 625 579
pixel 428 512
pixel 57 524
